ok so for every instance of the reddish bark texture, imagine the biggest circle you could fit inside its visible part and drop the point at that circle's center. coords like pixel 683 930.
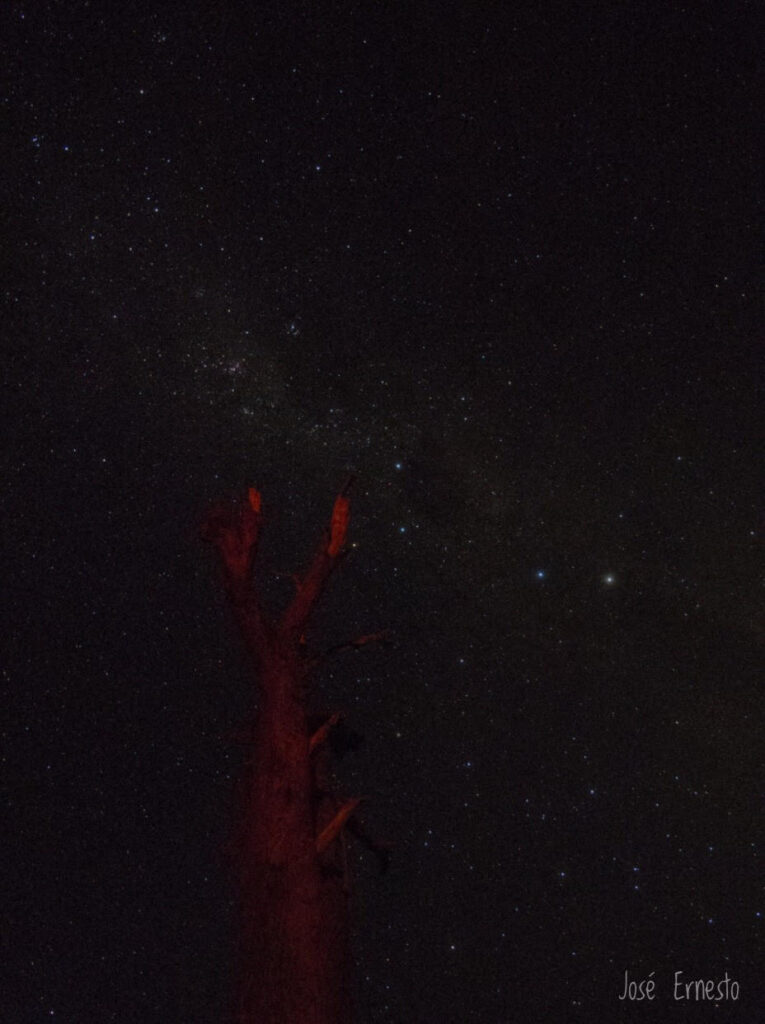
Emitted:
pixel 290 852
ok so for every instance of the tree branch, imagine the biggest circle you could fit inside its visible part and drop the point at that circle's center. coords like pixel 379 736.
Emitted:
pixel 329 554
pixel 235 532
pixel 383 636
pixel 323 732
pixel 333 828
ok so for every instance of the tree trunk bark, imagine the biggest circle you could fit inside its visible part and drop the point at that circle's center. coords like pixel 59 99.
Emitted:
pixel 295 921
pixel 294 951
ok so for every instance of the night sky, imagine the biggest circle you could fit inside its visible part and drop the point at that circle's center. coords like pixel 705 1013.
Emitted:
pixel 499 262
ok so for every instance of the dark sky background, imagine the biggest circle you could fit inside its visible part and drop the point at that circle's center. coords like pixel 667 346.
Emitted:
pixel 500 262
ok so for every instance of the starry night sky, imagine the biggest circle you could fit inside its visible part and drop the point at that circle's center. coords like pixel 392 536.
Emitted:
pixel 502 266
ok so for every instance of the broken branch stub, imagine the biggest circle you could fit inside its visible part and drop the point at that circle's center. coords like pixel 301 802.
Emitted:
pixel 323 732
pixel 331 832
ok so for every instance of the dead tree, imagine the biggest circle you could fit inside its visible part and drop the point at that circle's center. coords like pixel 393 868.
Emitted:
pixel 291 854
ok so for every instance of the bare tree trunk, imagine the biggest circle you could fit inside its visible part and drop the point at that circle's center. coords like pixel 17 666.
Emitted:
pixel 295 946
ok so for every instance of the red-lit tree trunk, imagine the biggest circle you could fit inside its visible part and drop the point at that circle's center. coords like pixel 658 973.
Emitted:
pixel 295 955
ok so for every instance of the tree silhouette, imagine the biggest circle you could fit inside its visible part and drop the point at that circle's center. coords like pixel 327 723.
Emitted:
pixel 290 851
